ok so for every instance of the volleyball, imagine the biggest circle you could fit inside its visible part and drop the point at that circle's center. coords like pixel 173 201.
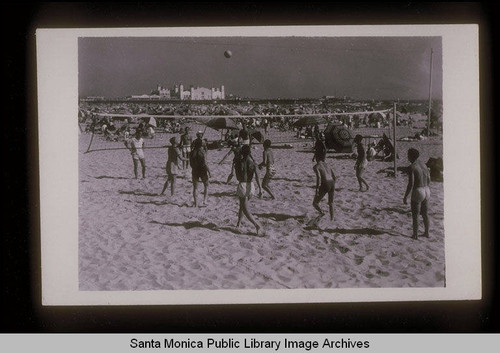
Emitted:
pixel 228 54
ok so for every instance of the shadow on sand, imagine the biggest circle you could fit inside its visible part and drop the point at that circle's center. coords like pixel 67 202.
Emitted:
pixel 288 179
pixel 166 202
pixel 136 193
pixel 222 194
pixel 112 177
pixel 198 224
pixel 279 217
pixel 363 231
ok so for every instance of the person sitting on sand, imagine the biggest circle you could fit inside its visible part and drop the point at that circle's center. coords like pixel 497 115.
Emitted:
pixel 174 155
pixel 361 163
pixel 418 184
pixel 135 145
pixel 268 162
pixel 372 152
pixel 199 169
pixel 325 183
pixel 185 146
pixel 245 170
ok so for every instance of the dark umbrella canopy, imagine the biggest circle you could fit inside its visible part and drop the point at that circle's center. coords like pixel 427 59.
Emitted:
pixel 309 120
pixel 221 123
pixel 338 138
pixel 376 117
pixel 257 135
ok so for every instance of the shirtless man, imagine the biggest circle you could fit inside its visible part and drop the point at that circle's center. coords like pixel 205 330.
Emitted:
pixel 246 170
pixel 418 184
pixel 199 170
pixel 185 146
pixel 325 183
pixel 268 162
pixel 361 163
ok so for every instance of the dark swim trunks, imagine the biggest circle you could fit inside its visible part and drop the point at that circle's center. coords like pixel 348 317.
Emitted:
pixel 200 174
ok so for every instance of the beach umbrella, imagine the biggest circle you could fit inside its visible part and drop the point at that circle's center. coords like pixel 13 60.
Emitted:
pixel 309 120
pixel 221 123
pixel 257 135
pixel 376 117
pixel 338 138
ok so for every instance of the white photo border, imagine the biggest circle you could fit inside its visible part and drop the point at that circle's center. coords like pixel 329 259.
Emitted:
pixel 57 82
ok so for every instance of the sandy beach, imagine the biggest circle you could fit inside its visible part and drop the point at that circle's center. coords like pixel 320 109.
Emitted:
pixel 131 238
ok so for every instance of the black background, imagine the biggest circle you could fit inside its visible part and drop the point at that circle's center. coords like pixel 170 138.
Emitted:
pixel 20 284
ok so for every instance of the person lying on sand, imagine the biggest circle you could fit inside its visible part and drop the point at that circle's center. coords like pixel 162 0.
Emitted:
pixel 174 155
pixel 325 183
pixel 268 162
pixel 246 170
pixel 199 169
pixel 418 184
pixel 361 163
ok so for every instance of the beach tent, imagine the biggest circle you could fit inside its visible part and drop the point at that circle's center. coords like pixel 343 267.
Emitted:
pixel 308 121
pixel 339 138
pixel 221 123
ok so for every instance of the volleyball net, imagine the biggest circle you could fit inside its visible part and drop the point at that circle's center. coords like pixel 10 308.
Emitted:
pixel 109 131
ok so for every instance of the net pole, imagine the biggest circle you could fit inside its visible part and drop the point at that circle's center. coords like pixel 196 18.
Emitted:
pixel 430 99
pixel 394 138
pixel 90 143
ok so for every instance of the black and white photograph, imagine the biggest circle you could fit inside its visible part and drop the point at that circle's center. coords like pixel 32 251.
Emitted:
pixel 292 161
pixel 253 163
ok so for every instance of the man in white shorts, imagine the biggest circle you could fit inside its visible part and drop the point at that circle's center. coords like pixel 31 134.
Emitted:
pixel 135 145
pixel 418 184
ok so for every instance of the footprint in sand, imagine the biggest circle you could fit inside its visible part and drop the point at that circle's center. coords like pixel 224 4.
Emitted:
pixel 284 279
pixel 383 273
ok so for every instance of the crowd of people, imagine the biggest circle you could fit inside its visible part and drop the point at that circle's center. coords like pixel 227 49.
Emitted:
pixel 270 114
pixel 185 152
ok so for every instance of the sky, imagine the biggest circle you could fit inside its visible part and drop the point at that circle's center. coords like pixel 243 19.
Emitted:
pixel 263 67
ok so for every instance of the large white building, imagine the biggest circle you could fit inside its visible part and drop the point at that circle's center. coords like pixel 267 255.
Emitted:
pixel 194 93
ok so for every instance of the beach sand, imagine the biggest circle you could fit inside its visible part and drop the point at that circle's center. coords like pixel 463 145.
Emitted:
pixel 130 238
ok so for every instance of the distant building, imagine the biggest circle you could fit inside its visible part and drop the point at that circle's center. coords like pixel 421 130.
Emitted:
pixel 193 93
